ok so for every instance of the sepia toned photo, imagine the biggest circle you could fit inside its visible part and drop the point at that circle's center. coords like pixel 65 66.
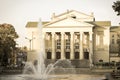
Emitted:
pixel 60 40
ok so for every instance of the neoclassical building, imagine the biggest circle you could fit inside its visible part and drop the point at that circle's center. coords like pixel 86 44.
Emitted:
pixel 75 36
pixel 115 43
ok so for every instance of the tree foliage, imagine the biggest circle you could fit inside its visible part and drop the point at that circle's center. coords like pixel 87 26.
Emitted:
pixel 7 42
pixel 116 7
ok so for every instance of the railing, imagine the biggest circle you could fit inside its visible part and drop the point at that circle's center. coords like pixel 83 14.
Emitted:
pixel 108 65
pixel 114 55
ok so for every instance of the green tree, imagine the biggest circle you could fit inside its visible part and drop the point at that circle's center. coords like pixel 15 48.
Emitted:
pixel 116 7
pixel 7 42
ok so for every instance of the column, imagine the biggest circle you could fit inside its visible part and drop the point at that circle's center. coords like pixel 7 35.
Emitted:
pixel 71 45
pixel 53 45
pixel 90 49
pixel 81 46
pixel 62 45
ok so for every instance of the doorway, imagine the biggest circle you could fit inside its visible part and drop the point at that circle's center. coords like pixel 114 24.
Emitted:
pixel 76 55
pixel 58 55
pixel 49 55
pixel 86 55
pixel 67 55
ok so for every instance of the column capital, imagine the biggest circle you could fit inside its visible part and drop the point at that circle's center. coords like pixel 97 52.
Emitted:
pixel 81 32
pixel 53 32
pixel 81 35
pixel 62 32
pixel 71 32
pixel 90 32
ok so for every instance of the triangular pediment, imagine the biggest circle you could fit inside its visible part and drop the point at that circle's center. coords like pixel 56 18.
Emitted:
pixel 75 13
pixel 68 22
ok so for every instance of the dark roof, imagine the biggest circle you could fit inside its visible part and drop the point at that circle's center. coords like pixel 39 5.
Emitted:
pixel 103 23
pixel 97 23
pixel 115 28
pixel 34 24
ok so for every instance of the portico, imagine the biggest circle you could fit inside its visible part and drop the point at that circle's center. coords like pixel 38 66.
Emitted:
pixel 69 44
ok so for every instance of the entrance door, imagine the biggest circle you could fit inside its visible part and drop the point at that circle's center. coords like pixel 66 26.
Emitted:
pixel 86 55
pixel 58 55
pixel 67 55
pixel 76 55
pixel 49 55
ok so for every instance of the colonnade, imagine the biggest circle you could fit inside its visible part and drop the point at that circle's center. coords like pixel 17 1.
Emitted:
pixel 72 37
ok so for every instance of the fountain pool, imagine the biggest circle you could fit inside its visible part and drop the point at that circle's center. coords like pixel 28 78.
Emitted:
pixel 54 77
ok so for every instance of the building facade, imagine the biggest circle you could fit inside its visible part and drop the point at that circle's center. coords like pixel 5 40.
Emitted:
pixel 75 36
pixel 115 44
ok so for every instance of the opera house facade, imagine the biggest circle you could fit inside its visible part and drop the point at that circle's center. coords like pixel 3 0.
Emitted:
pixel 77 36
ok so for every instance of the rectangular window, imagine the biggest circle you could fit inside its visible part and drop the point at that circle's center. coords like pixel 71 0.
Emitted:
pixel 58 44
pixel 113 41
pixel 67 44
pixel 113 36
pixel 118 41
pixel 58 47
pixel 76 45
pixel 67 47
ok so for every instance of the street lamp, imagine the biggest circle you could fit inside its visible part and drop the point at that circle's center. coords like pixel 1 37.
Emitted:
pixel 30 41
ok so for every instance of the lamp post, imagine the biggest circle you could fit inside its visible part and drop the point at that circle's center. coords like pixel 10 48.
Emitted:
pixel 30 41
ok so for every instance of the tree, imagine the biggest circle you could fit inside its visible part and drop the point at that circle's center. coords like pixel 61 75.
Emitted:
pixel 7 42
pixel 116 7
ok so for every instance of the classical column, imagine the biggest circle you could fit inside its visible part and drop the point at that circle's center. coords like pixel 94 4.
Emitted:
pixel 62 45
pixel 81 46
pixel 90 49
pixel 71 45
pixel 53 45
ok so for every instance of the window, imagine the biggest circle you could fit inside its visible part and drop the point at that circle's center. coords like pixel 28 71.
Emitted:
pixel 100 60
pixel 58 55
pixel 49 55
pixel 58 44
pixel 118 35
pixel 58 47
pixel 73 16
pixel 76 45
pixel 67 44
pixel 113 36
pixel 67 47
pixel 113 41
pixel 76 55
pixel 67 55
pixel 100 38
pixel 118 41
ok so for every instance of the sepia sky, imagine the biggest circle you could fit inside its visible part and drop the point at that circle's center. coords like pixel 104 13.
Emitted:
pixel 19 12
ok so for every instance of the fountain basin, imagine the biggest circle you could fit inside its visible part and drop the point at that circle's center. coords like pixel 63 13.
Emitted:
pixel 54 77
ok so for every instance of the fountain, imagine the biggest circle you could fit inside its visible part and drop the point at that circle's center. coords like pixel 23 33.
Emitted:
pixel 38 70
